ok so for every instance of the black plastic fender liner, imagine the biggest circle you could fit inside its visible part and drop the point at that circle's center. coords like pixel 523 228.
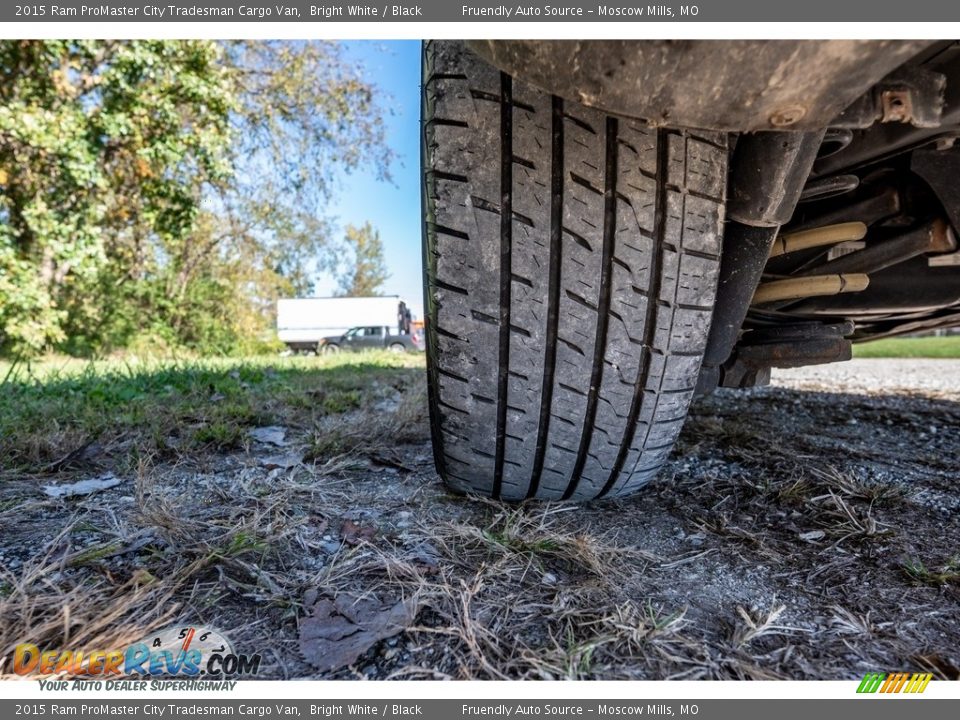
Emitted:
pixel 767 175
pixel 741 265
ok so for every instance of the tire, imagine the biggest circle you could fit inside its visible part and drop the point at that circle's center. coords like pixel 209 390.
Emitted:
pixel 398 348
pixel 329 349
pixel 551 374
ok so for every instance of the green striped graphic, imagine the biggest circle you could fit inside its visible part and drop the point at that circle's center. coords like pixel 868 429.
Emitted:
pixel 871 682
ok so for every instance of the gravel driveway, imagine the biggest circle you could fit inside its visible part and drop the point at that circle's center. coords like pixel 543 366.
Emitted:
pixel 935 378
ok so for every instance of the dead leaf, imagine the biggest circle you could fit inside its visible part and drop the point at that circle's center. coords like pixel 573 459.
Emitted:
pixel 338 632
pixel 284 462
pixel 354 534
pixel 425 557
pixel 83 455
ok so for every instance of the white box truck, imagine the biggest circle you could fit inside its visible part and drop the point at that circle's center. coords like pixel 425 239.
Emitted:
pixel 303 322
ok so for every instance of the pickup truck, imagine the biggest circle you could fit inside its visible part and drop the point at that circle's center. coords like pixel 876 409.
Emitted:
pixel 372 337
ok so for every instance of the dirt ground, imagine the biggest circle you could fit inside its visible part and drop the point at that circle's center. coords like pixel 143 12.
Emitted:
pixel 809 530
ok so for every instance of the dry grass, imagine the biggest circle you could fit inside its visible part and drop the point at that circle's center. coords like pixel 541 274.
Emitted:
pixel 757 555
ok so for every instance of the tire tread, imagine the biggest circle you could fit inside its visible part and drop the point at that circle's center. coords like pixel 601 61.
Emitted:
pixel 571 262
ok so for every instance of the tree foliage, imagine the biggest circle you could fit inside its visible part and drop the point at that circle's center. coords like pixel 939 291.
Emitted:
pixel 170 189
pixel 365 269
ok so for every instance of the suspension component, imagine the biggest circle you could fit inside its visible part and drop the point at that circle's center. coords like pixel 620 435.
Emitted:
pixel 794 345
pixel 934 237
pixel 817 237
pixel 799 288
pixel 829 187
pixel 884 204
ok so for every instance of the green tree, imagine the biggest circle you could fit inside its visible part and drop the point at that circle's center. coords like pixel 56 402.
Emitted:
pixel 306 117
pixel 171 189
pixel 365 269
pixel 99 142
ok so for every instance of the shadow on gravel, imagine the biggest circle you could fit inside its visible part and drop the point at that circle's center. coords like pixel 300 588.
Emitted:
pixel 793 535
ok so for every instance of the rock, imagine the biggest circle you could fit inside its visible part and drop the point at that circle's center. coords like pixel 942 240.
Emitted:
pixel 83 487
pixel 270 435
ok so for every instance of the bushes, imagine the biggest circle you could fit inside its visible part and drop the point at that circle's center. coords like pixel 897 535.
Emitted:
pixel 155 191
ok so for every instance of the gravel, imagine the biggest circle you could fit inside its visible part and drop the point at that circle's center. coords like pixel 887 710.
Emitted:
pixel 920 376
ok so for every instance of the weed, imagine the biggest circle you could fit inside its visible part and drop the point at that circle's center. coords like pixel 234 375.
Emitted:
pixel 341 401
pixel 219 435
pixel 946 574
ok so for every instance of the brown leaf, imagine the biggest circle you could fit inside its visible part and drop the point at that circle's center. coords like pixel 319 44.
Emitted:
pixel 281 462
pixel 339 631
pixel 354 534
pixel 86 454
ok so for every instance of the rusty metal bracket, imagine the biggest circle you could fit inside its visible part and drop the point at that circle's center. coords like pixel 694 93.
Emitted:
pixel 785 346
pixel 909 95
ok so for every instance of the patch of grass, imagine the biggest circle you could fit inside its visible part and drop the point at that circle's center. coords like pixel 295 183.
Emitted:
pixel 368 430
pixel 946 574
pixel 910 347
pixel 9 504
pixel 516 536
pixel 220 435
pixel 341 401
pixel 50 409
pixel 243 542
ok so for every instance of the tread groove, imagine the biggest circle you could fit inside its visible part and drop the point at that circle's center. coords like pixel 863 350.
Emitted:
pixel 484 318
pixel 453 375
pixel 482 204
pixel 506 272
pixel 553 290
pixel 650 322
pixel 446 122
pixel 444 285
pixel 584 183
pixel 453 177
pixel 444 230
pixel 580 300
pixel 446 333
pixel 603 307
pixel 579 239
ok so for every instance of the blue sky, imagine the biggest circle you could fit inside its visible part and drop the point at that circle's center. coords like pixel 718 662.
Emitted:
pixel 394 209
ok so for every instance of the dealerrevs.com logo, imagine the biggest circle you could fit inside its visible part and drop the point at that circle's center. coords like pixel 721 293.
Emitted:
pixel 178 651
pixel 894 683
